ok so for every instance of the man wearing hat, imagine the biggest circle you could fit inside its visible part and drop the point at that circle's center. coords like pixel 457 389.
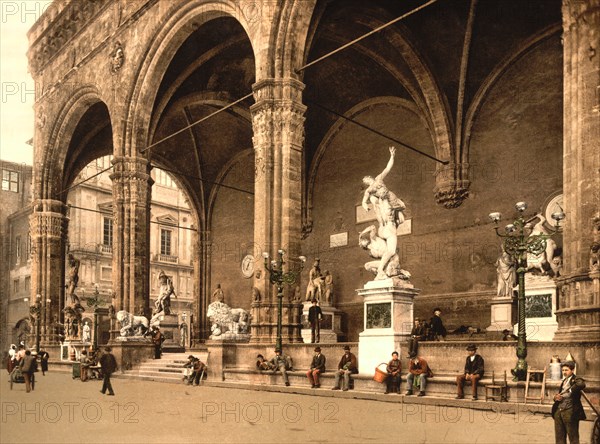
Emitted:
pixel 315 314
pixel 417 334
pixel 281 362
pixel 567 410
pixel 348 366
pixel 317 367
pixel 157 340
pixel 438 331
pixel 418 372
pixel 473 372
pixel 109 366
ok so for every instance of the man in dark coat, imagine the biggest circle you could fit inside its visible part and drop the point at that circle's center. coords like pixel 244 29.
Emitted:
pixel 317 367
pixel 315 314
pixel 28 366
pixel 44 357
pixel 567 410
pixel 348 366
pixel 437 330
pixel 157 340
pixel 109 366
pixel 417 334
pixel 473 372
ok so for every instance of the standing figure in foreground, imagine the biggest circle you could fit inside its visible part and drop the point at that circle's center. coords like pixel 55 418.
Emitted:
pixel 567 410
pixel 109 366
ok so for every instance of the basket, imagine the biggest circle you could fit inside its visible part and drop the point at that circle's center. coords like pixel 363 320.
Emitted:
pixel 380 376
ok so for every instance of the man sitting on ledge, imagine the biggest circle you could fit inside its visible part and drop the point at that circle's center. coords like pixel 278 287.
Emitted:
pixel 347 366
pixel 473 372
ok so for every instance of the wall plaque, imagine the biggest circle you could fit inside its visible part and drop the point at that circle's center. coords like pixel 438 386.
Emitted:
pixel 338 240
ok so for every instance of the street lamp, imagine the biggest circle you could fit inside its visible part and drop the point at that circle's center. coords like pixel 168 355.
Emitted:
pixel 518 241
pixel 278 277
pixel 35 311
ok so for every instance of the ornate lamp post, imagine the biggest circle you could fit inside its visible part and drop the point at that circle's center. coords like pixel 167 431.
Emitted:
pixel 518 241
pixel 35 312
pixel 95 301
pixel 278 277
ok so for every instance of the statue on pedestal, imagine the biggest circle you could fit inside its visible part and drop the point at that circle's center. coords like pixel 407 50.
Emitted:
pixel 73 279
pixel 328 281
pixel 383 241
pixel 507 276
pixel 314 289
pixel 162 306
pixel 86 334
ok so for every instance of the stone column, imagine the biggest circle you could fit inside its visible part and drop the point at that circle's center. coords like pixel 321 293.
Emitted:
pixel 278 124
pixel 205 293
pixel 132 188
pixel 579 290
pixel 48 225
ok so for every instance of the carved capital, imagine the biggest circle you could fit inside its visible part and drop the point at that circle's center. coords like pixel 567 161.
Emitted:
pixel 48 225
pixel 452 184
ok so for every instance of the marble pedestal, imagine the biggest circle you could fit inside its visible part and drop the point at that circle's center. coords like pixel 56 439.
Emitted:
pixel 501 314
pixel 540 306
pixel 331 324
pixel 388 320
pixel 169 326
pixel 129 351
pixel 67 347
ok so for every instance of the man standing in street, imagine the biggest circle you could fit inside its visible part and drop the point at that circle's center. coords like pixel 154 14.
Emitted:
pixel 157 340
pixel 473 372
pixel 348 366
pixel 315 314
pixel 567 410
pixel 28 366
pixel 109 366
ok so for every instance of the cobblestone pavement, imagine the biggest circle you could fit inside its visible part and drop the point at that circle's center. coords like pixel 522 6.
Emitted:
pixel 63 410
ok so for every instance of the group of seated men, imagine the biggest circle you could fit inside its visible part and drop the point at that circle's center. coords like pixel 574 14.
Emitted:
pixel 417 376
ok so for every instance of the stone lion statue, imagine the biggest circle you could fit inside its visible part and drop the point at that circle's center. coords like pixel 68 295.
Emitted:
pixel 132 325
pixel 227 319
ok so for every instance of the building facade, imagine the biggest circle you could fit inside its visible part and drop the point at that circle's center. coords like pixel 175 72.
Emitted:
pixel 488 103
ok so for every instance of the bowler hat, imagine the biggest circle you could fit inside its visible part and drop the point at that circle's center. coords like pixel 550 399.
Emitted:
pixel 471 347
pixel 437 309
pixel 412 354
pixel 346 347
pixel 277 350
pixel 313 300
pixel 317 349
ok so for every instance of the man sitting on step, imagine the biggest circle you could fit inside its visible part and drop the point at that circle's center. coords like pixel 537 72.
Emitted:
pixel 198 370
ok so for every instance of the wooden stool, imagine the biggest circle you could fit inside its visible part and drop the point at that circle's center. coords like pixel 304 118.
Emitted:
pixel 497 392
pixel 540 398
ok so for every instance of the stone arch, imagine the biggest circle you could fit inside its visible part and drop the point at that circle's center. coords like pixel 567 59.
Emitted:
pixel 331 134
pixel 494 77
pixel 163 47
pixel 53 158
pixel 289 39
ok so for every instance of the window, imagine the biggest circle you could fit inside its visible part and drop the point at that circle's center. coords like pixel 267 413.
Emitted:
pixel 103 162
pixel 29 246
pixel 15 286
pixel 27 284
pixel 165 242
pixel 162 178
pixel 18 247
pixel 107 232
pixel 10 181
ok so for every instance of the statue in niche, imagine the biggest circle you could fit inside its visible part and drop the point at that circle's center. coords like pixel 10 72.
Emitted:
pixel 388 210
pixel 86 332
pixel 314 289
pixel 507 276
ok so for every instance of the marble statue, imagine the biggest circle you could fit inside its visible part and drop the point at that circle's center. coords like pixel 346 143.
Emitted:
pixel 328 281
pixel 131 325
pixel 543 260
pixel 218 295
pixel 507 276
pixel 162 306
pixel 388 210
pixel 376 246
pixel 73 278
pixel 226 319
pixel 314 288
pixel 86 335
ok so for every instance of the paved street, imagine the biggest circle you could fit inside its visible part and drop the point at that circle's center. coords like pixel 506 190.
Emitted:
pixel 63 410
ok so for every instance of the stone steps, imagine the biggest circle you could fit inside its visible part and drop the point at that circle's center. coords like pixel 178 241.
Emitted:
pixel 167 369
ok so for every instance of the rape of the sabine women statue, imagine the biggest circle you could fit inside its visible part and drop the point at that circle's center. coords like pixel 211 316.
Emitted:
pixel 382 241
pixel 162 306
